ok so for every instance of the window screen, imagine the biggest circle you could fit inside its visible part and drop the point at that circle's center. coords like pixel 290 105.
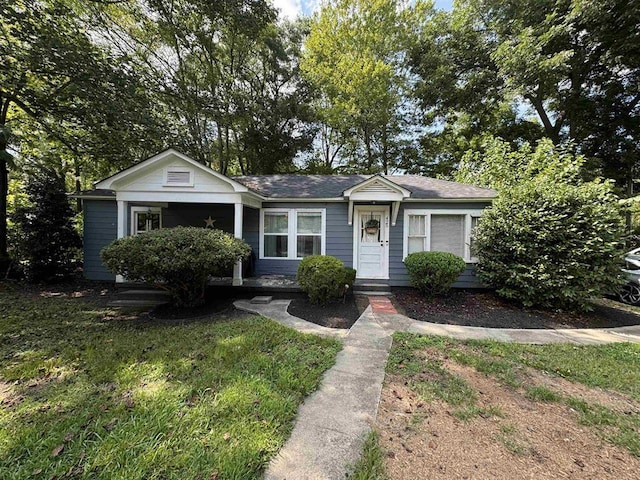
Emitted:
pixel 447 234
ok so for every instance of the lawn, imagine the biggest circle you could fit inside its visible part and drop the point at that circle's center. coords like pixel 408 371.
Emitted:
pixel 543 411
pixel 86 394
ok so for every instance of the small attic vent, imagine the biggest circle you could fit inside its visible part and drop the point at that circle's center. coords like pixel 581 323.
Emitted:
pixel 376 187
pixel 179 177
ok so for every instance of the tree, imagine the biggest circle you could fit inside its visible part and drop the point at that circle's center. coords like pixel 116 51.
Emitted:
pixel 49 243
pixel 226 75
pixel 354 56
pixel 572 62
pixel 550 239
pixel 57 81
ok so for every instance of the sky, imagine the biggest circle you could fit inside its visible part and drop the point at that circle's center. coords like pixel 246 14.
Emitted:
pixel 293 8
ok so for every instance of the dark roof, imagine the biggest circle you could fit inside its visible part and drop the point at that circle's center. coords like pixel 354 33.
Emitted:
pixel 331 186
pixel 96 192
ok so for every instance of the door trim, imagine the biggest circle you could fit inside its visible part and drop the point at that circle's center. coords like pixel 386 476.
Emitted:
pixel 356 238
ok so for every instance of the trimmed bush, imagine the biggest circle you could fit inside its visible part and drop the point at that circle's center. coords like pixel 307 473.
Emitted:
pixel 349 278
pixel 433 273
pixel 553 246
pixel 324 277
pixel 178 260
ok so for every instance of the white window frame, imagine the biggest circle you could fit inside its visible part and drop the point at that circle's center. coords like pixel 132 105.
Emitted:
pixel 292 234
pixel 428 213
pixel 179 169
pixel 135 210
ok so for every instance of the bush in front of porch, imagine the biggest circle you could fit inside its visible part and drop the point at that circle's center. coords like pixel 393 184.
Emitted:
pixel 324 277
pixel 178 260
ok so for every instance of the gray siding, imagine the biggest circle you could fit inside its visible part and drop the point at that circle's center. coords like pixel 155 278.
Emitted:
pixel 339 237
pixel 100 229
pixel 398 273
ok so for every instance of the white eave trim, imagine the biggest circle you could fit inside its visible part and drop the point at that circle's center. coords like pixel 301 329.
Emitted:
pixel 107 183
pixel 377 178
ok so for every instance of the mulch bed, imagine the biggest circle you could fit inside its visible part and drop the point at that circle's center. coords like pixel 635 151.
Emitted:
pixel 336 314
pixel 486 309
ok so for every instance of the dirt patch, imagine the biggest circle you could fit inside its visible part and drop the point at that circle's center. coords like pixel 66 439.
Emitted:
pixel 613 400
pixel 521 438
pixel 335 314
pixel 8 396
pixel 486 309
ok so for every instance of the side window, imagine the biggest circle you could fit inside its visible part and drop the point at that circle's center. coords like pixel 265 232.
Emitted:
pixel 145 220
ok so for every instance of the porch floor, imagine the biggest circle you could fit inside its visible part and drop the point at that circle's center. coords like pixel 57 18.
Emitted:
pixel 286 283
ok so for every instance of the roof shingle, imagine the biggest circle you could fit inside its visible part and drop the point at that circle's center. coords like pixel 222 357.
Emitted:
pixel 332 186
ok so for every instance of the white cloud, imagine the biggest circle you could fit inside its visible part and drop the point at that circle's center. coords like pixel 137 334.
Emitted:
pixel 289 9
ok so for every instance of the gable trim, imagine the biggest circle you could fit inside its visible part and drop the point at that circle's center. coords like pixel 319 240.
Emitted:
pixel 374 179
pixel 108 182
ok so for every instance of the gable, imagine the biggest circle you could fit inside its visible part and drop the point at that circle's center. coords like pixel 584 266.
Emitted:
pixel 171 171
pixel 377 188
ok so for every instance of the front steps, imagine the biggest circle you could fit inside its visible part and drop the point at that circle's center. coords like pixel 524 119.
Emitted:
pixel 140 298
pixel 371 288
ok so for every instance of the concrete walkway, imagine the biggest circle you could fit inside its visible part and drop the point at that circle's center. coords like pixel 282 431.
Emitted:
pixel 333 422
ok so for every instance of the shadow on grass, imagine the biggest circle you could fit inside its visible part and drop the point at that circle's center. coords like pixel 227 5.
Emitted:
pixel 124 399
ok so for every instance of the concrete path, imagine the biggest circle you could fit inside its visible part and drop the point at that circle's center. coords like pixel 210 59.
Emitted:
pixel 333 422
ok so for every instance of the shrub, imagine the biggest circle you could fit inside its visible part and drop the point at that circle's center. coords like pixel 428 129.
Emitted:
pixel 324 277
pixel 433 273
pixel 349 278
pixel 44 238
pixel 178 260
pixel 553 246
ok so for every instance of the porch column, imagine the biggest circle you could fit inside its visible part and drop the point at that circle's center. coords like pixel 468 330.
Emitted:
pixel 237 232
pixel 122 227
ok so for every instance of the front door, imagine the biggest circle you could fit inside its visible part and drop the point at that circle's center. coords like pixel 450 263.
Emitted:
pixel 371 240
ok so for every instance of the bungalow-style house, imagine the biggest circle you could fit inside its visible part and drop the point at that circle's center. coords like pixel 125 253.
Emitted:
pixel 370 222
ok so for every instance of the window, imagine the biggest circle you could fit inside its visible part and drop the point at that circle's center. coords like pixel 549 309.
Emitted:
pixel 308 234
pixel 417 233
pixel 292 233
pixel 145 219
pixel 276 234
pixel 442 231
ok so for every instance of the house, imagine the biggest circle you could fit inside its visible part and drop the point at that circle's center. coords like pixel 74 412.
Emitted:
pixel 370 222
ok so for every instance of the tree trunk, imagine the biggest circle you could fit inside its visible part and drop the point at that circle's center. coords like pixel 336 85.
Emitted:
pixel 78 185
pixel 4 186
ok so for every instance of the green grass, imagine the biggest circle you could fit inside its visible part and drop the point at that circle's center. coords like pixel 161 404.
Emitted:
pixel 146 401
pixel 371 463
pixel 613 367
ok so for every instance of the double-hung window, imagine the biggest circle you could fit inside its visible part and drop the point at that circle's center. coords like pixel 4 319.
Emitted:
pixel 441 231
pixel 292 233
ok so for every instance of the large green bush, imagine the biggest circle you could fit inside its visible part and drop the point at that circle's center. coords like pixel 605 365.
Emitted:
pixel 178 260
pixel 552 245
pixel 324 277
pixel 551 238
pixel 433 273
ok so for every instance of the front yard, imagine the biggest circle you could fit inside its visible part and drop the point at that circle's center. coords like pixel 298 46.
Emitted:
pixel 453 409
pixel 88 394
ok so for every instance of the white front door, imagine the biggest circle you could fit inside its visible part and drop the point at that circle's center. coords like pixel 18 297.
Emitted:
pixel 371 241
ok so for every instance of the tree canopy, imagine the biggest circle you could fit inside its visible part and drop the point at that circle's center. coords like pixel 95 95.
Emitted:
pixel 89 87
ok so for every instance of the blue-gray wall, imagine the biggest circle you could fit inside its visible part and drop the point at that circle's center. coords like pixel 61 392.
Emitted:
pixel 100 229
pixel 339 237
pixel 398 272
